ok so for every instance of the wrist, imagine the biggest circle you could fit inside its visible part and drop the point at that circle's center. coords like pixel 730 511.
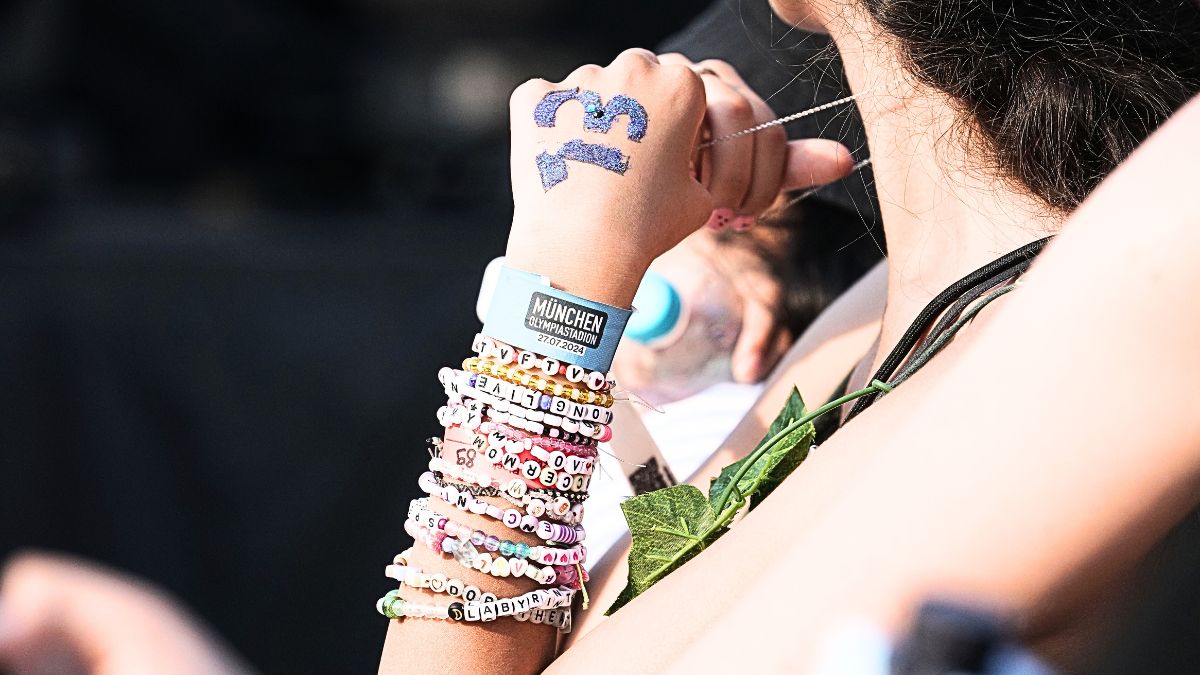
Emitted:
pixel 595 268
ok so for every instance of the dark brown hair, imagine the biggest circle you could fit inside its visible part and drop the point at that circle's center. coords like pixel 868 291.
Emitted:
pixel 1061 91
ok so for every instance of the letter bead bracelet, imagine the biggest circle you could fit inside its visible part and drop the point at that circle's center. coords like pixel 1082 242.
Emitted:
pixel 536 383
pixel 505 396
pixel 512 518
pixel 423 516
pixel 466 554
pixel 438 583
pixel 532 605
pixel 534 421
pixel 469 416
pixel 536 475
pixel 488 348
pixel 536 503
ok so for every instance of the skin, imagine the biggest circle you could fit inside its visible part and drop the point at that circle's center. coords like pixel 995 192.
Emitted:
pixel 895 507
pixel 63 615
pixel 677 193
pixel 1048 504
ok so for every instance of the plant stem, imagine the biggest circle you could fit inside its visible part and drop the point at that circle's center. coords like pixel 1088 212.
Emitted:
pixel 875 386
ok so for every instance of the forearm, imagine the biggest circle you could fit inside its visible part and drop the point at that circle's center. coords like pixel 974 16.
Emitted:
pixel 504 644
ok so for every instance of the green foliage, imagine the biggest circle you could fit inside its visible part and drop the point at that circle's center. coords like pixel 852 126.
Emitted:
pixel 669 527
pixel 672 525
pixel 782 456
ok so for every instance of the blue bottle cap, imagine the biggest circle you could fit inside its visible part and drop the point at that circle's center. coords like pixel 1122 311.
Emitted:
pixel 658 308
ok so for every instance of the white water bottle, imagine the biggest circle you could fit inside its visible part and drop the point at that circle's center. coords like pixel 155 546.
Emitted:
pixel 680 340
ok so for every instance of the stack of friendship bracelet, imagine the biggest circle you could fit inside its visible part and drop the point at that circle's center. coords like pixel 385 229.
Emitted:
pixel 522 420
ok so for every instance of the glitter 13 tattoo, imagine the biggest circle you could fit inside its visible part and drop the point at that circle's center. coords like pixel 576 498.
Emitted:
pixel 597 118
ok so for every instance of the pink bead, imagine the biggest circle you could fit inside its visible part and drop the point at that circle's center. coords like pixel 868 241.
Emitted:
pixel 605 434
pixel 437 538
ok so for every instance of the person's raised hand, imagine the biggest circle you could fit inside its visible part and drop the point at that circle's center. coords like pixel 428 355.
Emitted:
pixel 593 221
pixel 598 222
pixel 63 615
pixel 745 174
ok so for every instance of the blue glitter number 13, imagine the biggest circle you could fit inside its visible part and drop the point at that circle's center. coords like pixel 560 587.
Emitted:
pixel 598 118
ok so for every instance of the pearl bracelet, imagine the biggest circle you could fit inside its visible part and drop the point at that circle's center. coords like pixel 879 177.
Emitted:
pixel 486 347
pixel 536 384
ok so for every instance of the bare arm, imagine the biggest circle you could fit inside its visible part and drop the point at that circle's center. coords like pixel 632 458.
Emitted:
pixel 1029 466
pixel 815 364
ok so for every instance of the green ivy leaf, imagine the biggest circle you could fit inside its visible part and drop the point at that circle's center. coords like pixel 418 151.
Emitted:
pixel 668 527
pixel 769 470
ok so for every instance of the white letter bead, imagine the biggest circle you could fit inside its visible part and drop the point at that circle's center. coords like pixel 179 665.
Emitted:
pixel 454 586
pixel 564 481
pixel 526 359
pixel 512 518
pixel 516 488
pixel 517 566
pixel 578 482
pixel 595 380
pixel 575 373
pixel 557 460
pixel 500 567
pixel 550 366
pixel 531 469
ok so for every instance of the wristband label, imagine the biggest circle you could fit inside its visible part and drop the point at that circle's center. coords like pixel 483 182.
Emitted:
pixel 528 313
pixel 564 319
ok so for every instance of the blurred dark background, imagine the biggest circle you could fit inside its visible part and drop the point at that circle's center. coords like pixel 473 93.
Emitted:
pixel 239 237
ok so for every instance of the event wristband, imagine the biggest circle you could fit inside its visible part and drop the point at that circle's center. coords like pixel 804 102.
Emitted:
pixel 529 313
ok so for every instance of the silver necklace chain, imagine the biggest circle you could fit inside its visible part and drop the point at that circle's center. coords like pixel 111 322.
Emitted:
pixel 858 166
pixel 776 122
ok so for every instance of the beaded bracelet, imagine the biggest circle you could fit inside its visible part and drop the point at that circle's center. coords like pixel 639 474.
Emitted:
pixel 469 416
pixel 561 506
pixel 521 444
pixel 443 535
pixel 526 450
pixel 464 457
pixel 531 400
pixel 459 383
pixel 566 447
pixel 486 347
pixel 512 518
pixel 518 377
pixel 546 555
pixel 535 502
pixel 535 474
pixel 540 606
pixel 470 557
